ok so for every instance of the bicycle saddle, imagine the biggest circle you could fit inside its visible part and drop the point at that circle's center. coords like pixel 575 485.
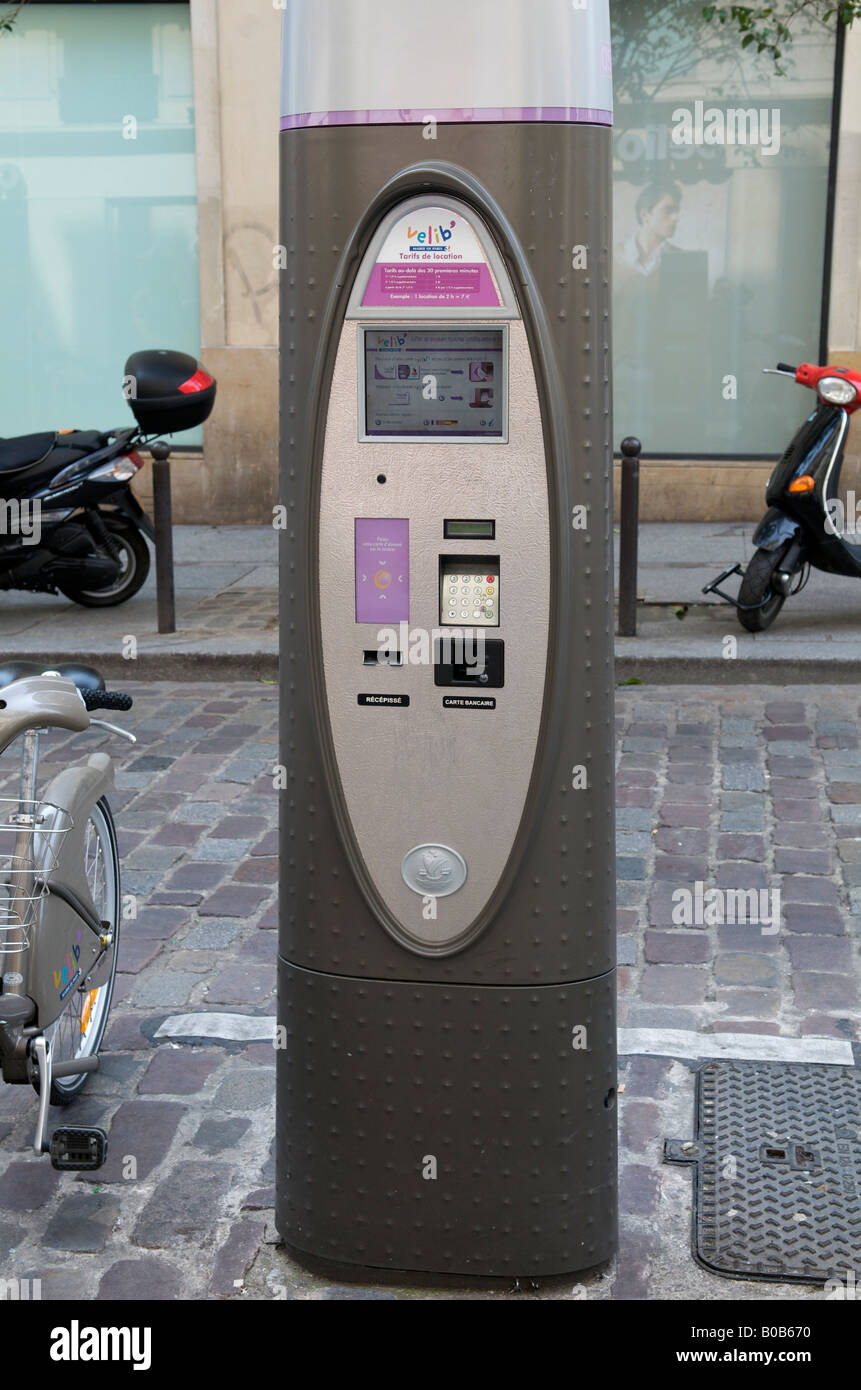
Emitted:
pixel 84 677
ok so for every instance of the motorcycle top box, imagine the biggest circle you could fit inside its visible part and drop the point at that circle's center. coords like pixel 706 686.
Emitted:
pixel 168 391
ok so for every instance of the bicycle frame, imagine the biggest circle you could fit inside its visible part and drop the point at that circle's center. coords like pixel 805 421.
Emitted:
pixel 65 945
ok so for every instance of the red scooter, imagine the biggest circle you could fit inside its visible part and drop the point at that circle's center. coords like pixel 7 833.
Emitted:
pixel 804 526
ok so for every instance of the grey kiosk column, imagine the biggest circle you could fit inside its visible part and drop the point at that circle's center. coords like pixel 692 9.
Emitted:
pixel 446 1091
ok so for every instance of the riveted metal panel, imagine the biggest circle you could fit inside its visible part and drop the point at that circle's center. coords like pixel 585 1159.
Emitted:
pixel 542 190
pixel 447 1129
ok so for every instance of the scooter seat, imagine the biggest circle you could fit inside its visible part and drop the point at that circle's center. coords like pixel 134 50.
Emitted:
pixel 85 677
pixel 24 451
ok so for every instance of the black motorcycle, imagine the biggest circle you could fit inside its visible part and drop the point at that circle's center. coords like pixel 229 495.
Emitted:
pixel 69 520
pixel 804 526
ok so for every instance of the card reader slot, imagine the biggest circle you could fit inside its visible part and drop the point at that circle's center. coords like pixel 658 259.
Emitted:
pixel 382 658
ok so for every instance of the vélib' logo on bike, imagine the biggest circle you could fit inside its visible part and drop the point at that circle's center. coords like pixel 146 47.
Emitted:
pixel 66 976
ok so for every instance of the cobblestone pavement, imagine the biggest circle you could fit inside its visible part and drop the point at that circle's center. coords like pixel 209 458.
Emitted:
pixel 734 788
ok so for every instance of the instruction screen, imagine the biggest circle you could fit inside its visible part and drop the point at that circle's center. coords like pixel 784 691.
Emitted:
pixel 435 383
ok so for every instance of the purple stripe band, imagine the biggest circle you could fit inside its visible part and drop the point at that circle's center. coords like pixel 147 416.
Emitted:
pixel 590 115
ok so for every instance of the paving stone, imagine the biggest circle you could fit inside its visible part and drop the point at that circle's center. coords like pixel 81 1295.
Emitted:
pixel 821 953
pixel 632 819
pixel 233 900
pixel 241 983
pixel 201 877
pixel 810 917
pixel 825 991
pixel 626 950
pixel 11 1236
pixel 673 984
pixel 630 867
pixel 784 711
pixel 747 936
pixel 184 1207
pixel 26 1186
pixel 134 954
pixel 117 1067
pixel 124 1033
pixel 746 968
pixel 639 1189
pixel 260 1200
pixel 165 990
pixel 742 820
pixel 220 1136
pixel 799 861
pixel 159 923
pixel 235 1258
pixel 213 934
pixel 142 1130
pixel 848 793
pixel 739 777
pixel 238 828
pixel 739 874
pixel 647 1077
pixel 799 888
pixel 257 871
pixel 179 1071
pixel 677 948
pixel 245 1090
pixel 683 815
pixel 680 868
pixel 200 812
pixel 641 1123
pixel 222 851
pixel 822 1026
pixel 682 840
pixel 633 842
pixel 749 1003
pixel 82 1223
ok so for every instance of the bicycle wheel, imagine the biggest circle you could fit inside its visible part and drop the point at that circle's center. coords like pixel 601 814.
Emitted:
pixel 79 1030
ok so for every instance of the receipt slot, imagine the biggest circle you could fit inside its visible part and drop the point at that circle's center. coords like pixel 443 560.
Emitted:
pixel 446 1062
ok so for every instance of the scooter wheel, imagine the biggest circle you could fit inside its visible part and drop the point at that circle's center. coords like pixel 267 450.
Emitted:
pixel 756 589
pixel 135 561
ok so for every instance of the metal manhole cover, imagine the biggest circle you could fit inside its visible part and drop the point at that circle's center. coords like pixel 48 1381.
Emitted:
pixel 777 1191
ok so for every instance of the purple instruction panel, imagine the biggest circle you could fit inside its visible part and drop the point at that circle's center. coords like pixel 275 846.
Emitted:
pixel 382 570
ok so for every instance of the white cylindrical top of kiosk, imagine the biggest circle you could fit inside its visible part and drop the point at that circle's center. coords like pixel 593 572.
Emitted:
pixel 359 63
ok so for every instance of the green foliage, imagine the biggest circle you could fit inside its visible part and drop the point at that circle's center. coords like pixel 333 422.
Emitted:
pixel 9 14
pixel 768 28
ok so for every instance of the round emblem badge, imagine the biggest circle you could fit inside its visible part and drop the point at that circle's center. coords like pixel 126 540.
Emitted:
pixel 433 870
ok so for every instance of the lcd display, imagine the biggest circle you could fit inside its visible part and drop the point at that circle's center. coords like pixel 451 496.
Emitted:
pixel 435 383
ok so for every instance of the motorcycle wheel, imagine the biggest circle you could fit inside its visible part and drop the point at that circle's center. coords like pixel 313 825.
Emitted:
pixel 134 559
pixel 756 587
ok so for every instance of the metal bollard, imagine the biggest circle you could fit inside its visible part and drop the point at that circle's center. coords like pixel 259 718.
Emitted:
pixel 163 525
pixel 629 521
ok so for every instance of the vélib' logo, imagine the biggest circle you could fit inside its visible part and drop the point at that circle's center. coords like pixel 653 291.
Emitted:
pixel 431 236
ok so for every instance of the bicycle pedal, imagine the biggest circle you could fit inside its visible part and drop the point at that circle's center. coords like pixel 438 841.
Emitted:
pixel 78 1150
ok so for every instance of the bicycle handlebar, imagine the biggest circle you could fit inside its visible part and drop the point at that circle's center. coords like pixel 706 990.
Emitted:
pixel 106 699
pixel 784 367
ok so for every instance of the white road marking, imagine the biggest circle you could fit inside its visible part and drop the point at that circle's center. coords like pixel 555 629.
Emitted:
pixel 231 1027
pixel 754 1047
pixel 633 1042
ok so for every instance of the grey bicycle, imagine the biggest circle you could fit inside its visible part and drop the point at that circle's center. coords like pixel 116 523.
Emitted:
pixel 60 902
